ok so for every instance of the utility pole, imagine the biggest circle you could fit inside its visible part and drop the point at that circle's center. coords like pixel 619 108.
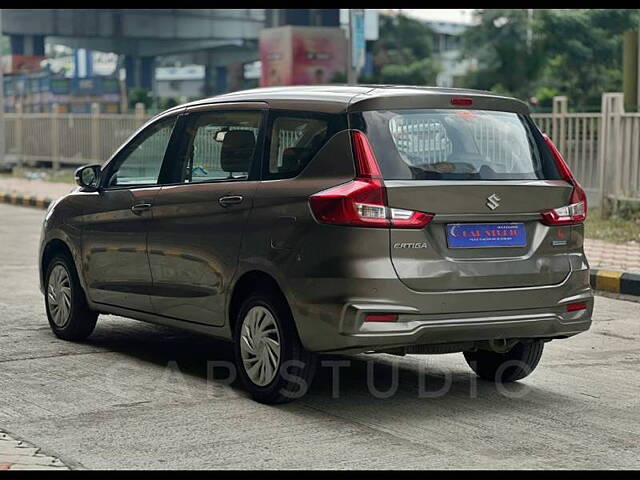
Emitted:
pixel 630 70
pixel 351 71
pixel 2 134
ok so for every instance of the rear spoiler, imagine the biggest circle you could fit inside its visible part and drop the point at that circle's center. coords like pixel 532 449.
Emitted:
pixel 418 99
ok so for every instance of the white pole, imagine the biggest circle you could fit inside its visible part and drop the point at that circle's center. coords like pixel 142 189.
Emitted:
pixel 351 74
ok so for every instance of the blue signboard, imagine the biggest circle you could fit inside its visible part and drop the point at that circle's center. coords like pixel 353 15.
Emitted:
pixel 485 235
pixel 60 86
pixel 109 85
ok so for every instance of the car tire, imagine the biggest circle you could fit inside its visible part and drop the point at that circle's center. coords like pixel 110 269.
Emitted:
pixel 69 315
pixel 264 320
pixel 507 367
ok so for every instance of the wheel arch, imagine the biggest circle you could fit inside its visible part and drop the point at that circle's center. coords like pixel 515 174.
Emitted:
pixel 50 250
pixel 248 282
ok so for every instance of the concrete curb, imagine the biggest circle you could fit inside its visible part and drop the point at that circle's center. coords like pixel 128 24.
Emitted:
pixel 615 281
pixel 25 200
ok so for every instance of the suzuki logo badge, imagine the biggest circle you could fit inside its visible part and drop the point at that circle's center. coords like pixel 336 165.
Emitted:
pixel 493 201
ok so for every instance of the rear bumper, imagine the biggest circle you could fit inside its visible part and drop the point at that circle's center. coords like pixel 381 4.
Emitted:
pixel 333 320
pixel 424 329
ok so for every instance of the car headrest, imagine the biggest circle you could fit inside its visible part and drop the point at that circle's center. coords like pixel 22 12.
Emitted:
pixel 237 150
pixel 293 158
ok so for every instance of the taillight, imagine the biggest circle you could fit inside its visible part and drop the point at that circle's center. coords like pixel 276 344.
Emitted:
pixel 381 317
pixel 366 163
pixel 363 201
pixel 574 307
pixel 462 102
pixel 359 202
pixel 409 219
pixel 576 211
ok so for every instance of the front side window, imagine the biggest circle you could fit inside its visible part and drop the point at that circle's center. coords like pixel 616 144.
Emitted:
pixel 140 162
pixel 455 145
pixel 295 137
pixel 222 145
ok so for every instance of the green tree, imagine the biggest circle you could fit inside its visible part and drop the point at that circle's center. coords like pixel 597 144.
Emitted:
pixel 140 95
pixel 420 72
pixel 166 103
pixel 404 53
pixel 506 61
pixel 338 77
pixel 584 51
pixel 577 53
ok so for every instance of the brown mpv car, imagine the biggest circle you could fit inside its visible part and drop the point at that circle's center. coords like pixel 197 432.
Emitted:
pixel 299 220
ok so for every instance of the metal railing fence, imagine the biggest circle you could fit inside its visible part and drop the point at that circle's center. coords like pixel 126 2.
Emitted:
pixel 577 136
pixel 602 148
pixel 67 138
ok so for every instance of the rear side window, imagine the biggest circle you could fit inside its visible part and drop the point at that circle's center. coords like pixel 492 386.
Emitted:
pixel 295 137
pixel 456 145
pixel 222 146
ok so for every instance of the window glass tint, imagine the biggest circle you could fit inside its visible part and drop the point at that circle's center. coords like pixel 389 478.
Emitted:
pixel 295 137
pixel 223 146
pixel 456 145
pixel 140 162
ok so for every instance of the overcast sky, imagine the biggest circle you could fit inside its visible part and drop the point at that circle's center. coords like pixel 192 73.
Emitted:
pixel 451 14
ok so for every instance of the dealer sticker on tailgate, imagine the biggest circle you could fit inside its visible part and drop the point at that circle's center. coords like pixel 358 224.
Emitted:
pixel 486 235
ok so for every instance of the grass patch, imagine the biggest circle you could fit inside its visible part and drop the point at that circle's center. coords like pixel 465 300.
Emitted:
pixel 617 229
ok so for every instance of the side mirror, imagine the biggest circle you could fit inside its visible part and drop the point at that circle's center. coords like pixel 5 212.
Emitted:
pixel 88 177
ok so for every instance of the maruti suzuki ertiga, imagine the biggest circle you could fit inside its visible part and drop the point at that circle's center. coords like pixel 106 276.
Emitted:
pixel 299 220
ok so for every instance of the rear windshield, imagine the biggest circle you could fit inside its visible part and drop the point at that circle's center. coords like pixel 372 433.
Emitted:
pixel 455 145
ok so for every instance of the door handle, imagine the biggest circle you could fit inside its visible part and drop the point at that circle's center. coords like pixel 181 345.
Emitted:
pixel 140 207
pixel 229 200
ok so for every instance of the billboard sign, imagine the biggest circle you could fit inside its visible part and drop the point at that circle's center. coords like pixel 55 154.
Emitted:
pixel 21 63
pixel 301 55
pixel 275 57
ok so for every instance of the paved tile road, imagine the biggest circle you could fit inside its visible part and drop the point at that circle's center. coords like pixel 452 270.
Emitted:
pixel 625 256
pixel 117 400
pixel 19 455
